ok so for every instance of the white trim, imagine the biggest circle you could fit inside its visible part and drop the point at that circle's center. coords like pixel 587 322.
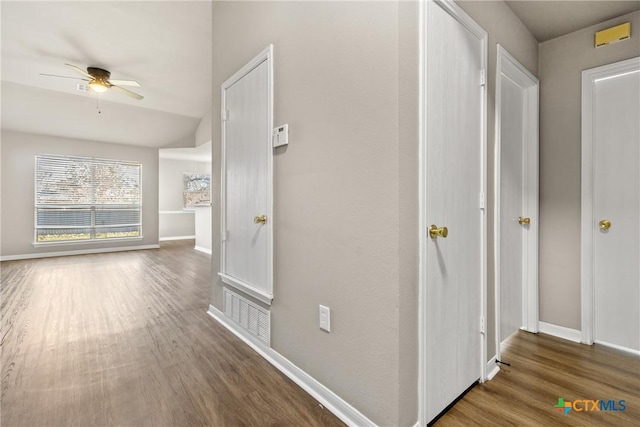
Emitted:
pixel 77 252
pixel 331 401
pixel 560 331
pixel 164 239
pixel 456 12
pixel 508 66
pixel 265 56
pixel 246 288
pixel 492 368
pixel 423 347
pixel 619 347
pixel 202 249
pixel 459 15
pixel 85 242
pixel 587 289
pixel 186 211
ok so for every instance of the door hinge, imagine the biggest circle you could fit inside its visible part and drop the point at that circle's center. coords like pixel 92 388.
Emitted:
pixel 483 77
pixel 482 203
pixel 482 330
pixel 225 115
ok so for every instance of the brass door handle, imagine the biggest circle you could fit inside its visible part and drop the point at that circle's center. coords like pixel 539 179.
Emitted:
pixel 434 231
pixel 524 221
pixel 605 224
pixel 260 219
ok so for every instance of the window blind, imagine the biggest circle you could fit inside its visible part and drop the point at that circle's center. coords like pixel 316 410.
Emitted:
pixel 80 198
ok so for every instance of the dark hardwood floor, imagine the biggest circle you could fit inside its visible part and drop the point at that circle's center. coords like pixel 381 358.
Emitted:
pixel 124 339
pixel 544 368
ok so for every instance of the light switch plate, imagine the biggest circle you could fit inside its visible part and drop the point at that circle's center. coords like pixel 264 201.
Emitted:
pixel 325 318
pixel 280 135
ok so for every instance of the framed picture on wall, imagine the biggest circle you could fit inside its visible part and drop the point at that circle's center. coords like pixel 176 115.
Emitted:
pixel 196 189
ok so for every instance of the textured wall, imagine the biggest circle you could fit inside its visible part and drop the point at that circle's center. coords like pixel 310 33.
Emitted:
pixel 562 61
pixel 336 191
pixel 170 174
pixel 18 170
pixel 504 28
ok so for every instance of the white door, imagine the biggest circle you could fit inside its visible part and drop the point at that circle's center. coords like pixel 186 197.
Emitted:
pixel 516 198
pixel 453 173
pixel 614 114
pixel 246 179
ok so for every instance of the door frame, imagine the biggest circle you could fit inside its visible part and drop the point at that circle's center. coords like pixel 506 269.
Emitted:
pixel 265 56
pixel 423 353
pixel 587 288
pixel 516 72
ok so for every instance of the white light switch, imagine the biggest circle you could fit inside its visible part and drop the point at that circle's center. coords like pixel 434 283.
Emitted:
pixel 325 318
pixel 280 135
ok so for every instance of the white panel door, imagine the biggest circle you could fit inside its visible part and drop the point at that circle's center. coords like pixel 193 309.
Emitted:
pixel 246 204
pixel 516 198
pixel 453 184
pixel 511 206
pixel 616 192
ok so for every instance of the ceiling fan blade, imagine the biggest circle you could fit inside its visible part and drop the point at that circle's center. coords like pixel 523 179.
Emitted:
pixel 124 83
pixel 63 77
pixel 80 70
pixel 127 92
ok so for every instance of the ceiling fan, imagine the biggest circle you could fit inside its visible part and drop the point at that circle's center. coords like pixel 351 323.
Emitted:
pixel 100 80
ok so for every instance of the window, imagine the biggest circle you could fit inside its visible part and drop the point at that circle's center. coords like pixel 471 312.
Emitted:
pixel 85 199
pixel 196 189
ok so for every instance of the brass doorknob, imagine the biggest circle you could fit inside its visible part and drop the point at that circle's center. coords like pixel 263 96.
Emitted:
pixel 260 219
pixel 434 231
pixel 524 221
pixel 605 224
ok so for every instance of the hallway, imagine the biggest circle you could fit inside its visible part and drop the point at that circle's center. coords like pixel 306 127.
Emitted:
pixel 543 369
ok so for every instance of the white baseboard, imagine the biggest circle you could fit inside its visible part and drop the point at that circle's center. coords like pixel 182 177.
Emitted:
pixel 492 368
pixel 560 332
pixel 201 249
pixel 619 347
pixel 77 252
pixel 164 239
pixel 331 401
pixel 176 212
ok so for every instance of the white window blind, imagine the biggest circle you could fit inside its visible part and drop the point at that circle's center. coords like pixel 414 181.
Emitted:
pixel 80 198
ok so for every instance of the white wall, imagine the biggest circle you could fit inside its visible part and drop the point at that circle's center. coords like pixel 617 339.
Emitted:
pixel 174 221
pixel 203 228
pixel 203 133
pixel 18 153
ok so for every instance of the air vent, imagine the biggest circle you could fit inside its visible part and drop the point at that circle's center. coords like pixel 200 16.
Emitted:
pixel 83 87
pixel 248 315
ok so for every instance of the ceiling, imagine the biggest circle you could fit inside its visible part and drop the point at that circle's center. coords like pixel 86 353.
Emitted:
pixel 549 19
pixel 201 153
pixel 164 45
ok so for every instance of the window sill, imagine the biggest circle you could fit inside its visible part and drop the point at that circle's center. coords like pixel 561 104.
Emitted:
pixel 87 242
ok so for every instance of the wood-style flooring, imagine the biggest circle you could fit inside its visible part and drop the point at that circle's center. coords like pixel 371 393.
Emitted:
pixel 124 339
pixel 544 368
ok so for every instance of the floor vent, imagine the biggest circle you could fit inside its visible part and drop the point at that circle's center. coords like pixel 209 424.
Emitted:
pixel 251 317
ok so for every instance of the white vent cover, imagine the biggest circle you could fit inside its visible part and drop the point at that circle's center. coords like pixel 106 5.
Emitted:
pixel 251 317
pixel 83 87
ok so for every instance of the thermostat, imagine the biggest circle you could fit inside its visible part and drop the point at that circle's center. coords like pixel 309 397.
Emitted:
pixel 280 135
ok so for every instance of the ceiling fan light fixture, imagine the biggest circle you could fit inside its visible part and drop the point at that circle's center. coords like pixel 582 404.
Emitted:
pixel 98 86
